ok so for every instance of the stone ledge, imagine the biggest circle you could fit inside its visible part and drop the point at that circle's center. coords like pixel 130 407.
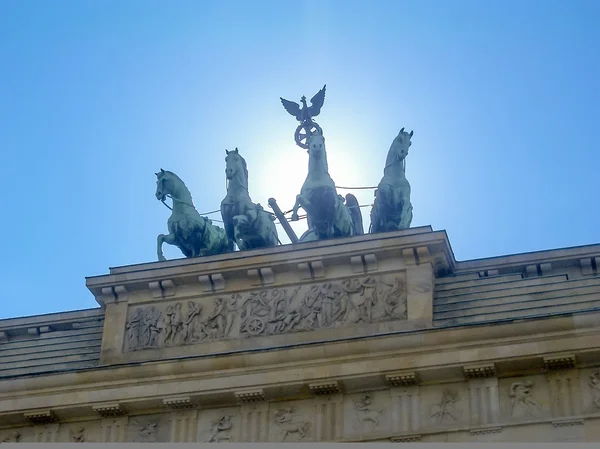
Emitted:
pixel 485 430
pixel 567 423
pixel 402 379
pixel 565 361
pixel 325 388
pixel 178 402
pixel 40 417
pixel 479 371
pixel 406 438
pixel 250 396
pixel 108 410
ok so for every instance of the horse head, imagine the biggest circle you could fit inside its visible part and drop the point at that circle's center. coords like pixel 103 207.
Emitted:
pixel 236 168
pixel 316 145
pixel 164 184
pixel 400 145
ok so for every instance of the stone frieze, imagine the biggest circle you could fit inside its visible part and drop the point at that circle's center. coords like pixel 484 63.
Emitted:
pixel 264 312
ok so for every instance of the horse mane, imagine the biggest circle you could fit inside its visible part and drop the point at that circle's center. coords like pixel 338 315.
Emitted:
pixel 170 173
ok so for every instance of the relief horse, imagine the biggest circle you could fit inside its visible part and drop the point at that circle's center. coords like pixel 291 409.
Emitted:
pixel 392 209
pixel 327 213
pixel 247 224
pixel 193 234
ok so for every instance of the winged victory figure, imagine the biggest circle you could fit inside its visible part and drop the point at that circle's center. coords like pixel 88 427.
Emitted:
pixel 307 112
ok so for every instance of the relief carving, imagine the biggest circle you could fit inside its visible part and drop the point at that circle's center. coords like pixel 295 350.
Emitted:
pixel 366 413
pixel 145 432
pixel 285 420
pixel 220 430
pixel 268 312
pixel 522 403
pixel 446 409
pixel 594 383
pixel 77 436
pixel 14 437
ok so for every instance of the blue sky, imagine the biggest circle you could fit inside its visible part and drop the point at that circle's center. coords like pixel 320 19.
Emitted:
pixel 96 96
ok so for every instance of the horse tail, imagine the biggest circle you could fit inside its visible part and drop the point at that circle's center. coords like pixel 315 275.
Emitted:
pixel 353 207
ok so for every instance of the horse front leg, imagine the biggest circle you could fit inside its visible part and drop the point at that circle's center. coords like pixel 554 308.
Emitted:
pixel 162 238
pixel 301 202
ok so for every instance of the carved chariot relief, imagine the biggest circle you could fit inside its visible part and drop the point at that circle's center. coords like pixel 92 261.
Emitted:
pixel 267 312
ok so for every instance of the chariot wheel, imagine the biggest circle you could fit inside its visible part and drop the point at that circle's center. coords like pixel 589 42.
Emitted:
pixel 255 326
pixel 303 131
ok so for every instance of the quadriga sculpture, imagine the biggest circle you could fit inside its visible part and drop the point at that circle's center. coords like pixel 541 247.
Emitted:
pixel 193 234
pixel 392 209
pixel 328 216
pixel 247 224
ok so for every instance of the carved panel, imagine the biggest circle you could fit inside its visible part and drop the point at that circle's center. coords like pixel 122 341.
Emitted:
pixel 292 422
pixel 590 388
pixel 523 398
pixel 444 405
pixel 80 432
pixel 267 312
pixel 149 429
pixel 367 412
pixel 221 425
pixel 12 436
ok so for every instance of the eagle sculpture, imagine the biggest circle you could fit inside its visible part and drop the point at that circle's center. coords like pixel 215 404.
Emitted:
pixel 306 113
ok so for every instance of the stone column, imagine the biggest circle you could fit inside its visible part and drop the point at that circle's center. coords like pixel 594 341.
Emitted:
pixel 114 429
pixel 406 405
pixel 329 418
pixel 483 392
pixel 184 426
pixel 563 383
pixel 114 331
pixel 255 422
pixel 419 285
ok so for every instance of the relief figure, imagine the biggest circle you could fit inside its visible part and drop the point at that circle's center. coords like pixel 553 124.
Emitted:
pixel 522 403
pixel 284 418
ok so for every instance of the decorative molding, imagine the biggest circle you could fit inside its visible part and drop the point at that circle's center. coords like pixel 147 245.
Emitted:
pixel 108 410
pixel 586 265
pixel 178 402
pixel 402 379
pixel 479 371
pixel 486 430
pixel 409 256
pixel 205 282
pixel 566 361
pixel 406 438
pixel 325 388
pixel 40 417
pixel 567 423
pixel 162 289
pixel 218 282
pixel 370 262
pixel 357 264
pixel 121 293
pixel 267 276
pixel 250 396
